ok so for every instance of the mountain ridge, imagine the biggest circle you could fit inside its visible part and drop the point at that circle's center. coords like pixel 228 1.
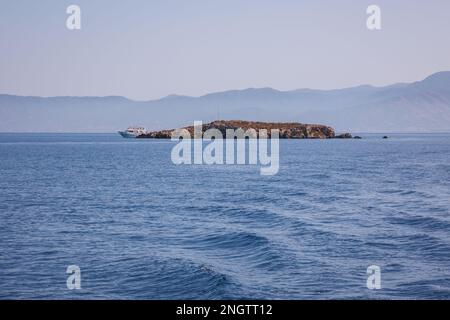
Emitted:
pixel 440 74
pixel 421 106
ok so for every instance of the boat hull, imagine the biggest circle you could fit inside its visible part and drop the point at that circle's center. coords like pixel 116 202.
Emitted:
pixel 127 135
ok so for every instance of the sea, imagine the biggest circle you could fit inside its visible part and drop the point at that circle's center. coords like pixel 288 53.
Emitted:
pixel 137 226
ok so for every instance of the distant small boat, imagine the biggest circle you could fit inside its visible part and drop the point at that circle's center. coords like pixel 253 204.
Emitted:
pixel 132 132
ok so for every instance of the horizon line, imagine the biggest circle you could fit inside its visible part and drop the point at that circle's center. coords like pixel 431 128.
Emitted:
pixel 116 132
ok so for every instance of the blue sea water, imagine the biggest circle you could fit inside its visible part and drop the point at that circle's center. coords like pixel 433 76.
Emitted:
pixel 140 227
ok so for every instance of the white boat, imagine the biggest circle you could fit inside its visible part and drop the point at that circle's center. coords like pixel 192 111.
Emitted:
pixel 132 132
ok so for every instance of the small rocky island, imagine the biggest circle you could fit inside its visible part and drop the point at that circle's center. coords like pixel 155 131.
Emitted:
pixel 288 130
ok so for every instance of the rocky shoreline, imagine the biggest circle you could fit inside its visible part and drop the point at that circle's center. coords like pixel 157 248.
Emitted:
pixel 291 130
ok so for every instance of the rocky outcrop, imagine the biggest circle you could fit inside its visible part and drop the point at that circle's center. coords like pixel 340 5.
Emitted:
pixel 344 136
pixel 292 130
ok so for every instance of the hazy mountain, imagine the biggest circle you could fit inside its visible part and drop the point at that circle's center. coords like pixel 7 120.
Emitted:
pixel 415 107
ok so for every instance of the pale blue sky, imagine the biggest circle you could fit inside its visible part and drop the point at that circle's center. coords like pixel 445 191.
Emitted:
pixel 148 49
